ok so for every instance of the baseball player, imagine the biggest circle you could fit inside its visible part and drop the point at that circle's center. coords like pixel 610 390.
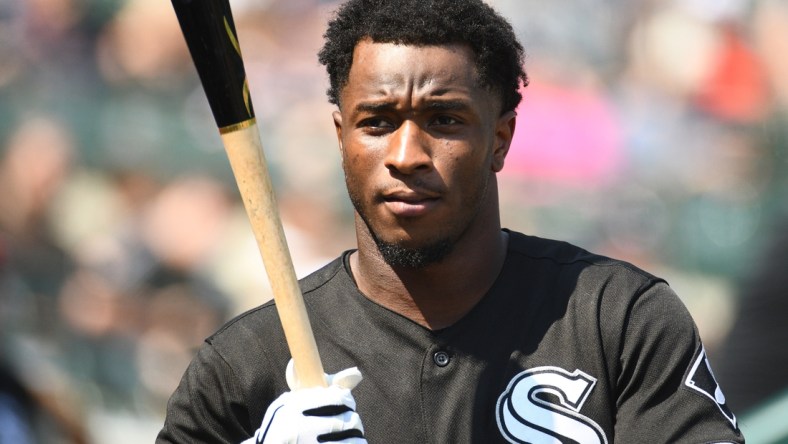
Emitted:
pixel 442 327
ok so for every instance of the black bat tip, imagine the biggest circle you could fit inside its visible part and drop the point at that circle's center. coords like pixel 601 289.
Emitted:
pixel 209 30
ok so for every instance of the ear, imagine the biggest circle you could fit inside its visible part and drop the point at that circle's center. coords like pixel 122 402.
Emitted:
pixel 504 132
pixel 337 116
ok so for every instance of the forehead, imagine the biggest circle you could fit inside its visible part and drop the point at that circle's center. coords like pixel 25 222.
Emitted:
pixel 386 68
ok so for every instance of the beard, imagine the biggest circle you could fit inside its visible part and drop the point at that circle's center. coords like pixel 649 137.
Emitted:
pixel 396 254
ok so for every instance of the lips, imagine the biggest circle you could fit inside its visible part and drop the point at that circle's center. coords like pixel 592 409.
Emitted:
pixel 409 203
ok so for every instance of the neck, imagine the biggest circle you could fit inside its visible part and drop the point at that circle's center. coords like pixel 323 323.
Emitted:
pixel 437 295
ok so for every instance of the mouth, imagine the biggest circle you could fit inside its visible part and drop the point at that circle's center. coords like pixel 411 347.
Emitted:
pixel 408 203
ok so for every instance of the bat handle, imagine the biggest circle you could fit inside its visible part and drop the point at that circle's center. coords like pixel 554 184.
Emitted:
pixel 244 150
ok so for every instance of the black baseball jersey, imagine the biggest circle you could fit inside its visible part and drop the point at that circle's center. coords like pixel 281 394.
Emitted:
pixel 567 346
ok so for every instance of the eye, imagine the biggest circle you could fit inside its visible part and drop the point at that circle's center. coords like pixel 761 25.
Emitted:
pixel 445 124
pixel 376 125
pixel 376 122
pixel 445 120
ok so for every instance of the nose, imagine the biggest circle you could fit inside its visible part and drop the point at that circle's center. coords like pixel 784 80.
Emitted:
pixel 408 150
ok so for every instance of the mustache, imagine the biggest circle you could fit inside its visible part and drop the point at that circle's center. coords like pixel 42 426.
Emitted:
pixel 432 186
pixel 415 186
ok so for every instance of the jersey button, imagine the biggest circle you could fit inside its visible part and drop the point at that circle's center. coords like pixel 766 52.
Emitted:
pixel 441 359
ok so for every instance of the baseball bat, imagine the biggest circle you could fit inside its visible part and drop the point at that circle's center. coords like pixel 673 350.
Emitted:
pixel 209 30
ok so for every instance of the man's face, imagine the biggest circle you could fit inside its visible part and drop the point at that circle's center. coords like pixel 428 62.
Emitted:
pixel 421 142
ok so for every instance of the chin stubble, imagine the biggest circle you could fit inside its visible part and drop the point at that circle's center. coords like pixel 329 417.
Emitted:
pixel 398 255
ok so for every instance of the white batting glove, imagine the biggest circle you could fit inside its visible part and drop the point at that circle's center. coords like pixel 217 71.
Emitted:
pixel 315 414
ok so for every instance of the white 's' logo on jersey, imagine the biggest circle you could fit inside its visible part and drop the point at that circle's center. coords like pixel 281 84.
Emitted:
pixel 541 406
pixel 702 380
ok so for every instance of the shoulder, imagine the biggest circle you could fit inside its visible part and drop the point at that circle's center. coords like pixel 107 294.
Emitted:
pixel 601 294
pixel 325 276
pixel 565 260
pixel 262 322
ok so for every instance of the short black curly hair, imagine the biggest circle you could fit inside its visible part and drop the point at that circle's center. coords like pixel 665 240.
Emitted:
pixel 499 55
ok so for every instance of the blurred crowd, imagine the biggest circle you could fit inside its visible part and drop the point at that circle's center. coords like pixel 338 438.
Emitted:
pixel 653 131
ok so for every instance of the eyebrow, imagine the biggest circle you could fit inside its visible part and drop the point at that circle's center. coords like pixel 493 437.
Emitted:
pixel 376 107
pixel 447 105
pixel 430 105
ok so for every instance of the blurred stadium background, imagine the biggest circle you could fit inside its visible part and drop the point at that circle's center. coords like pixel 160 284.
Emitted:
pixel 653 131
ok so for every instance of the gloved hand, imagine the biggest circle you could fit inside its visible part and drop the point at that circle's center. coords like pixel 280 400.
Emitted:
pixel 315 414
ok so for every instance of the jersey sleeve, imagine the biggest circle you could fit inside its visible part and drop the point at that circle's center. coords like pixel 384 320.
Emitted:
pixel 208 405
pixel 666 389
